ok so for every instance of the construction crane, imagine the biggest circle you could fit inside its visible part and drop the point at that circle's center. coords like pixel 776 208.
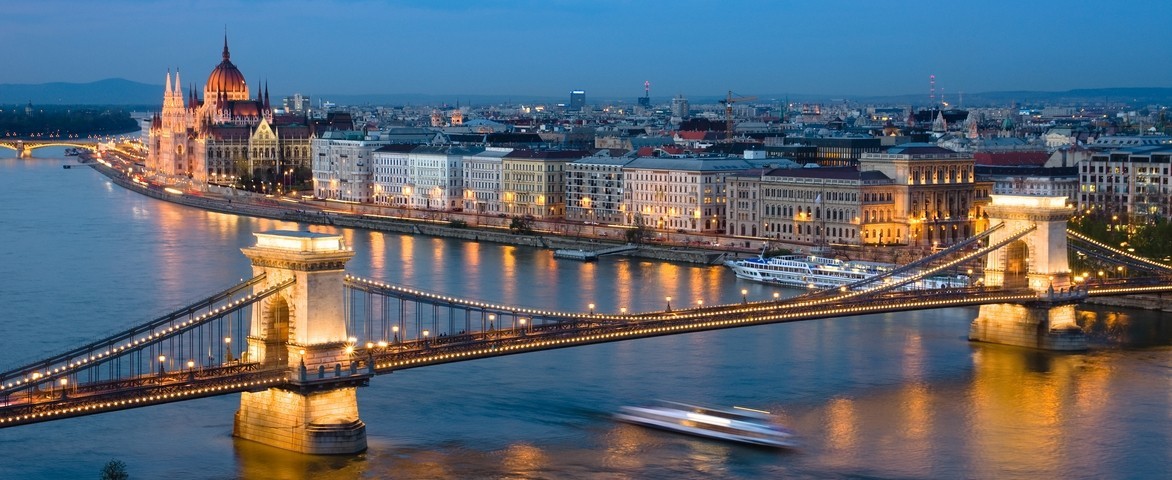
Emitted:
pixel 728 118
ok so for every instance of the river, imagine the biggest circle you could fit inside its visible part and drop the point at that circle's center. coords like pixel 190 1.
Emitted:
pixel 882 396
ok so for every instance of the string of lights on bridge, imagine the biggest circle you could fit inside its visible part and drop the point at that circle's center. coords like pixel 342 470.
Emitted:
pixel 36 377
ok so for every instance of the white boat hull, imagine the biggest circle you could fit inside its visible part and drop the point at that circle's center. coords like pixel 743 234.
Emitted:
pixel 709 426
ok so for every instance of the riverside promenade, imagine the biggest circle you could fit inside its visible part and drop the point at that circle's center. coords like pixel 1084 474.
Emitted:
pixel 545 235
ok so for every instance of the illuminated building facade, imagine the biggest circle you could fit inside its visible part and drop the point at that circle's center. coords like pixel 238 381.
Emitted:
pixel 227 135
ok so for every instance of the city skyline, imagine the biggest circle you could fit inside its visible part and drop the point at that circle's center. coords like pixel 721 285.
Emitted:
pixel 606 48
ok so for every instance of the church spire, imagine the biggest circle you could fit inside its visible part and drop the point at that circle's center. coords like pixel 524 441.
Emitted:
pixel 178 84
pixel 168 88
pixel 226 44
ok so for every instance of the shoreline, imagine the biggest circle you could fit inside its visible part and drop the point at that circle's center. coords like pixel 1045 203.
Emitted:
pixel 437 224
pixel 318 213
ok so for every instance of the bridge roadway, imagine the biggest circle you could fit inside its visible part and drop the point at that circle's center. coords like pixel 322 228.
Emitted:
pixel 565 330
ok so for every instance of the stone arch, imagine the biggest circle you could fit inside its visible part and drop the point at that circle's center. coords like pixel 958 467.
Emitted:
pixel 277 332
pixel 1040 255
pixel 1017 256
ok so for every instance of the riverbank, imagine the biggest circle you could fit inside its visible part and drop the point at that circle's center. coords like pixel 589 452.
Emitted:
pixel 228 200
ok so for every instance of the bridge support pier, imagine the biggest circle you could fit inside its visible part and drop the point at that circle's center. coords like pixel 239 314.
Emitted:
pixel 317 423
pixel 303 325
pixel 1045 326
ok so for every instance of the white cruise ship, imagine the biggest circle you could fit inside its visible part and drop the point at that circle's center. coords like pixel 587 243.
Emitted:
pixel 808 271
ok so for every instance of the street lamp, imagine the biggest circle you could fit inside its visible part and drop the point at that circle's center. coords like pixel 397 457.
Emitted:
pixel 395 331
pixel 162 358
pixel 668 298
pixel 228 346
pixel 491 319
pixel 523 330
pixel 623 310
pixel 426 333
pixel 776 296
pixel 700 303
pixel 745 296
pixel 591 309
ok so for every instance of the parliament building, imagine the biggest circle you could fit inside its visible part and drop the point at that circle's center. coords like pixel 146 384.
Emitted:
pixel 227 136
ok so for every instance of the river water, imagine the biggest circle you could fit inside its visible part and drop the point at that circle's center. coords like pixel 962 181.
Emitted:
pixel 882 396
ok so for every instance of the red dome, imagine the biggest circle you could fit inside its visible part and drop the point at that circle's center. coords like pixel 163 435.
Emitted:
pixel 227 78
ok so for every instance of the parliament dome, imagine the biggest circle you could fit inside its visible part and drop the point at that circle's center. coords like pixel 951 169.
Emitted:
pixel 226 78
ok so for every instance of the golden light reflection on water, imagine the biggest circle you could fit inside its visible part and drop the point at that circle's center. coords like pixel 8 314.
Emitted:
pixel 623 444
pixel 1017 400
pixel 525 461
pixel 586 287
pixel 378 252
pixel 407 259
pixel 842 432
pixel 623 292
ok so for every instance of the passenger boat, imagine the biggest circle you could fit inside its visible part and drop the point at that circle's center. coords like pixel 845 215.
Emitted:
pixel 810 271
pixel 738 425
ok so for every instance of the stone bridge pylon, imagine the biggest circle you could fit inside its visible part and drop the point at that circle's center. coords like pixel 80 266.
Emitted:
pixel 305 324
pixel 1037 261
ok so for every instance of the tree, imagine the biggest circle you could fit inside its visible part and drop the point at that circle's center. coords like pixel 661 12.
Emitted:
pixel 522 225
pixel 115 470
pixel 640 233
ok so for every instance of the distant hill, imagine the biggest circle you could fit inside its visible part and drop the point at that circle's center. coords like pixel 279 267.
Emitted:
pixel 117 91
pixel 1136 97
pixel 112 91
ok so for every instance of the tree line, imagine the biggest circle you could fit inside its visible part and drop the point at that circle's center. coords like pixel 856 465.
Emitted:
pixel 56 121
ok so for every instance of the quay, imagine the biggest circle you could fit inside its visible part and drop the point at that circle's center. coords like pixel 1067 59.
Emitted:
pixel 320 213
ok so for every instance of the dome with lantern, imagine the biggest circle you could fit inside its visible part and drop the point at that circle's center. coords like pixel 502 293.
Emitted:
pixel 226 79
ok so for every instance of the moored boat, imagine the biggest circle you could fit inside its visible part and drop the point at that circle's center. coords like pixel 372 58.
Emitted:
pixel 810 271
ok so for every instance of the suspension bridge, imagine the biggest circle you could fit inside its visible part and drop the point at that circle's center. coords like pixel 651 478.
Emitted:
pixel 298 338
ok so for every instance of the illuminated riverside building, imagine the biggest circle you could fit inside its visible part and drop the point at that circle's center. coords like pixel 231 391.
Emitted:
pixel 937 195
pixel 482 181
pixel 343 165
pixel 533 182
pixel 686 193
pixel 817 206
pixel 595 189
pixel 1130 183
pixel 439 175
pixel 226 135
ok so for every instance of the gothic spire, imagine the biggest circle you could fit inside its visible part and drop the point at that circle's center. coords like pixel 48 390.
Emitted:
pixel 168 88
pixel 178 84
pixel 226 44
pixel 267 107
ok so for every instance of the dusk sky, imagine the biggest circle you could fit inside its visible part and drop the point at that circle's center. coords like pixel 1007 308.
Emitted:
pixel 607 47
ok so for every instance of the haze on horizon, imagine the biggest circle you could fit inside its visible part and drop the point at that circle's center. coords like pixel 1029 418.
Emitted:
pixel 606 47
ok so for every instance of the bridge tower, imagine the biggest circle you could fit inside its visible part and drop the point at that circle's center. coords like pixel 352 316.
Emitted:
pixel 1037 261
pixel 304 324
pixel 22 151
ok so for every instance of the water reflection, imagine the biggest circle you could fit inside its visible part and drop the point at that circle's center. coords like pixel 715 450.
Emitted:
pixel 901 395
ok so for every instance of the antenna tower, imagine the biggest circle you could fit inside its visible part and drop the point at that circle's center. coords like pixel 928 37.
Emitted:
pixel 932 90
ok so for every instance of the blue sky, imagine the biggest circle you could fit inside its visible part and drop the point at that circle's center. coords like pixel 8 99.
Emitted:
pixel 607 47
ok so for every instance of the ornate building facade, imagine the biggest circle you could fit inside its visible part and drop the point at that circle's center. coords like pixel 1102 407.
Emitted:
pixel 227 136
